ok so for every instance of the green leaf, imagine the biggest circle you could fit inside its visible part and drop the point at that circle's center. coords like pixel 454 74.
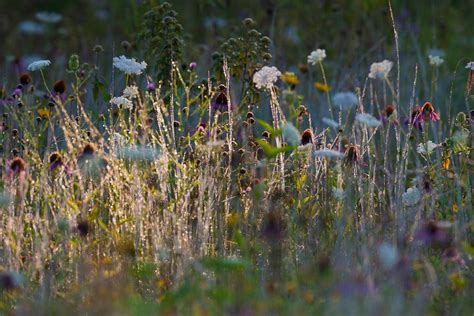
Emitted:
pixel 272 152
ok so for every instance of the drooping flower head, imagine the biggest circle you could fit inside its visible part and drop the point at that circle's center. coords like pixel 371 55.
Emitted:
pixel 389 115
pixel 316 56
pixel 266 77
pixel 352 154
pixel 380 70
pixel 221 102
pixel 129 66
pixel 415 118
pixel 428 110
pixel 38 65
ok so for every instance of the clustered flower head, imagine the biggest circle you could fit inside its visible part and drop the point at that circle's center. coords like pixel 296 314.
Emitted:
pixel 412 196
pixel 316 56
pixel 470 65
pixel 345 100
pixel 131 92
pixel 39 65
pixel 435 60
pixel 367 120
pixel 420 115
pixel 266 77
pixel 426 148
pixel 129 66
pixel 380 70
pixel 122 102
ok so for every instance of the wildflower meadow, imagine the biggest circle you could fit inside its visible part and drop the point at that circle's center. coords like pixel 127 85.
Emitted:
pixel 236 157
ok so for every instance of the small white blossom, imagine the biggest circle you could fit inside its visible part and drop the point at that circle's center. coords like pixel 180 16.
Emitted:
pixel 316 56
pixel 368 120
pixel 380 70
pixel 411 197
pixel 345 100
pixel 435 60
pixel 470 65
pixel 328 153
pixel 330 122
pixel 338 194
pixel 388 255
pixel 38 65
pixel 131 92
pixel 291 135
pixel 266 77
pixel 49 17
pixel 122 101
pixel 119 140
pixel 427 148
pixel 129 66
pixel 30 27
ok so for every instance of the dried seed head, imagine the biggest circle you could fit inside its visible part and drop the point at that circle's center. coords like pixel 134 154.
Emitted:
pixel 89 149
pixel 25 79
pixel 59 86
pixel 83 227
pixel 307 137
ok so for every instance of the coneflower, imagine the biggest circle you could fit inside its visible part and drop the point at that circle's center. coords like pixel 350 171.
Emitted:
pixel 25 79
pixel 221 103
pixel 83 227
pixel 428 110
pixel 389 115
pixel 307 137
pixel 352 154
pixel 415 118
pixel 17 165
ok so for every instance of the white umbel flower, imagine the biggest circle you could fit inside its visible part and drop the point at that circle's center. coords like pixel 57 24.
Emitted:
pixel 131 92
pixel 31 27
pixel 49 17
pixel 330 122
pixel 345 100
pixel 129 66
pixel 266 77
pixel 338 194
pixel 367 120
pixel 435 60
pixel 122 101
pixel 316 56
pixel 427 148
pixel 328 153
pixel 470 65
pixel 411 197
pixel 380 70
pixel 291 135
pixel 38 65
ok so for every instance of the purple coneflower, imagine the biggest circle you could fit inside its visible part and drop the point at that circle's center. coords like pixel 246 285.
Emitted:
pixel 221 103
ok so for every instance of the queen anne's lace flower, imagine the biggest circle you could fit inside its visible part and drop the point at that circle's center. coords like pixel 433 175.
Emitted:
pixel 122 101
pixel 338 194
pixel 345 100
pixel 290 134
pixel 31 27
pixel 316 56
pixel 328 153
pixel 266 77
pixel 470 65
pixel 38 65
pixel 131 92
pixel 435 60
pixel 368 120
pixel 330 122
pixel 49 17
pixel 380 70
pixel 427 148
pixel 129 66
pixel 411 197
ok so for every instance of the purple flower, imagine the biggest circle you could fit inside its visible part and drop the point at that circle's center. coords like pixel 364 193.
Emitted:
pixel 150 87
pixel 192 66
pixel 221 103
pixel 434 233
pixel 17 93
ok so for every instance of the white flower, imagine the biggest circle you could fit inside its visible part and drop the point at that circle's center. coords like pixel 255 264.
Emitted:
pixel 388 255
pixel 368 120
pixel 119 139
pixel 427 148
pixel 49 17
pixel 435 60
pixel 330 122
pixel 328 153
pixel 411 196
pixel 470 65
pixel 338 194
pixel 215 145
pixel 122 101
pixel 131 92
pixel 138 153
pixel 316 56
pixel 30 27
pixel 380 70
pixel 129 66
pixel 345 100
pixel 291 135
pixel 38 65
pixel 266 77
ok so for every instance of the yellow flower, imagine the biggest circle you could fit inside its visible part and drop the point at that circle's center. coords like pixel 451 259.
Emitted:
pixel 44 113
pixel 321 87
pixel 446 164
pixel 290 78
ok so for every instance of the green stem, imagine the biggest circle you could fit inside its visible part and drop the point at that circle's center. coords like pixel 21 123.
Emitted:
pixel 327 91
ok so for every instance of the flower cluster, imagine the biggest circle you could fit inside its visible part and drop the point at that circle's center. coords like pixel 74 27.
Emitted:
pixel 316 56
pixel 129 66
pixel 266 77
pixel 380 70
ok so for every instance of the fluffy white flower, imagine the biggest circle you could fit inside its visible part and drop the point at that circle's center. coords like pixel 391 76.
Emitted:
pixel 427 148
pixel 470 65
pixel 368 120
pixel 291 135
pixel 129 66
pixel 131 92
pixel 266 77
pixel 345 100
pixel 388 255
pixel 316 56
pixel 328 153
pixel 49 17
pixel 380 70
pixel 38 65
pixel 435 60
pixel 30 27
pixel 411 197
pixel 338 194
pixel 330 122
pixel 122 101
